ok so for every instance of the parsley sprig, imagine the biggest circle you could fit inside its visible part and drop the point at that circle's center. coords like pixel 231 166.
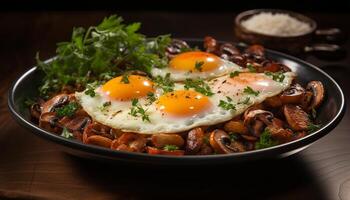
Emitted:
pixel 138 111
pixel 66 134
pixel 276 76
pixel 67 110
pixel 198 65
pixel 249 90
pixel 227 105
pixel 234 74
pixel 198 85
pixel 265 140
pixel 170 147
pixel 165 83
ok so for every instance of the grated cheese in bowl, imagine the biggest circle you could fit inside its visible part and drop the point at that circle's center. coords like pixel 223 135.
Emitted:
pixel 276 24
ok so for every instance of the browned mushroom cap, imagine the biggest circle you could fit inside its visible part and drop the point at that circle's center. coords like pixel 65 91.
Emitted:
pixel 54 102
pixel 220 141
pixel 236 126
pixel 48 121
pixel 297 119
pixel 210 44
pixel 257 120
pixel 162 139
pixel 35 111
pixel 77 123
pixel 317 89
pixel 194 140
pixel 129 142
pixel 293 95
pixel 228 49
pixel 273 102
pixel 257 50
pixel 175 47
pixel 279 132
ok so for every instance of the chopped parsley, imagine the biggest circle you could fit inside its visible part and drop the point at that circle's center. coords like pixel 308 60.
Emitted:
pixel 105 105
pixel 66 134
pixel 234 74
pixel 90 89
pixel 125 79
pixel 138 111
pixel 251 67
pixel 170 147
pixel 198 85
pixel 67 110
pixel 276 76
pixel 312 127
pixel 245 101
pixel 227 105
pixel 249 90
pixel 151 97
pixel 265 140
pixel 165 83
pixel 198 65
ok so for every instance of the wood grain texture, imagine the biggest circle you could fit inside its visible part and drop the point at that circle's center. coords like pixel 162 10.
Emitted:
pixel 32 168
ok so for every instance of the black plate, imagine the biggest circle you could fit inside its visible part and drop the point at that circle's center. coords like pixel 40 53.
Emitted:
pixel 329 115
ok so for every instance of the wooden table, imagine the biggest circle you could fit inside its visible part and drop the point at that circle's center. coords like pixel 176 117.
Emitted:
pixel 32 168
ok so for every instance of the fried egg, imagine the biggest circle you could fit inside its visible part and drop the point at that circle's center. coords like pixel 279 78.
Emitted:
pixel 179 110
pixel 196 64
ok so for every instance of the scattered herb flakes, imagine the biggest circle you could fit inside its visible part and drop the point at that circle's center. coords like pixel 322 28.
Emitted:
pixel 170 147
pixel 90 89
pixel 125 79
pixel 251 68
pixel 265 140
pixel 138 111
pixel 66 134
pixel 105 105
pixel 226 105
pixel 249 90
pixel 198 65
pixel 276 76
pixel 234 74
pixel 67 110
pixel 198 85
pixel 165 83
pixel 313 127
pixel 245 101
pixel 151 97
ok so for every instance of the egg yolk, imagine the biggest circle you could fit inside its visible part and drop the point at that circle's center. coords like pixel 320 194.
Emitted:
pixel 132 86
pixel 183 103
pixel 195 61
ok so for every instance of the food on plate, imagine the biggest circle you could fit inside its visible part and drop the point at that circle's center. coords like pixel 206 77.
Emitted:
pixel 113 87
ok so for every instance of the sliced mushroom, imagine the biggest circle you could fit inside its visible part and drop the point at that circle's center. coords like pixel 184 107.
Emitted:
pixel 297 119
pixel 175 47
pixel 77 123
pixel 294 95
pixel 205 149
pixel 129 142
pixel 35 111
pixel 256 50
pixel 220 141
pixel 210 44
pixel 54 102
pixel 279 132
pixel 317 89
pixel 273 102
pixel 155 151
pixel 48 121
pixel 236 126
pixel 257 120
pixel 194 141
pixel 99 141
pixel 228 49
pixel 162 139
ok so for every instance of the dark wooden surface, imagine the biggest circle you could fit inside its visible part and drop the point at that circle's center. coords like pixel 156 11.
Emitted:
pixel 32 168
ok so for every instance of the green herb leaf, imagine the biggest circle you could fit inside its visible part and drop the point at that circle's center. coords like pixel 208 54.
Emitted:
pixel 198 65
pixel 245 101
pixel 198 85
pixel 105 105
pixel 233 136
pixel 66 134
pixel 249 90
pixel 125 79
pixel 265 140
pixel 151 97
pixel 234 74
pixel 313 127
pixel 251 67
pixel 90 89
pixel 138 111
pixel 67 110
pixel 165 83
pixel 276 76
pixel 226 105
pixel 170 147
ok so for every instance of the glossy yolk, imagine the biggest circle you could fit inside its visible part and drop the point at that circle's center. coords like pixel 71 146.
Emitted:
pixel 137 87
pixel 188 61
pixel 182 103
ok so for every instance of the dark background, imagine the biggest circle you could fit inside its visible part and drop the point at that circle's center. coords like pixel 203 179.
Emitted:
pixel 32 168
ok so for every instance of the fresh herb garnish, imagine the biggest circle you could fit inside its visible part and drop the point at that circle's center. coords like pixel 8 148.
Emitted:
pixel 125 79
pixel 67 110
pixel 249 90
pixel 245 101
pixel 251 67
pixel 226 105
pixel 90 89
pixel 276 76
pixel 165 83
pixel 105 105
pixel 312 127
pixel 198 65
pixel 66 134
pixel 235 73
pixel 198 85
pixel 233 136
pixel 109 47
pixel 265 140
pixel 138 111
pixel 151 97
pixel 170 147
pixel 29 102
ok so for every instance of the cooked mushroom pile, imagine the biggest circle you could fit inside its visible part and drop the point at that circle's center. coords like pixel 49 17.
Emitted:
pixel 285 117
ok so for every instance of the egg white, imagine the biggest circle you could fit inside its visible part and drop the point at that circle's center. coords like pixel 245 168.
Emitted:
pixel 117 115
pixel 181 75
